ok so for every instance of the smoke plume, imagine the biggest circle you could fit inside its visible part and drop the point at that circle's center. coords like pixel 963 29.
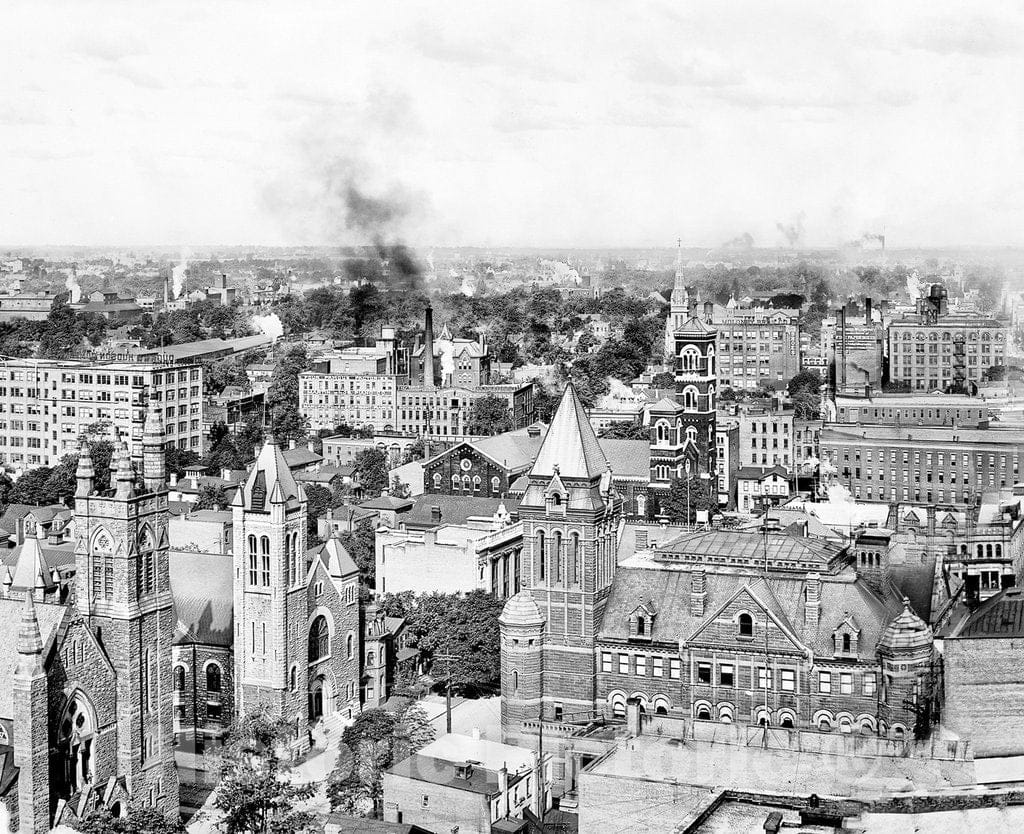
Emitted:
pixel 73 287
pixel 178 277
pixel 743 241
pixel 269 325
pixel 793 232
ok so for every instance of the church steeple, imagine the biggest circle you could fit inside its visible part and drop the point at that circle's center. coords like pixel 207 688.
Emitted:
pixel 570 448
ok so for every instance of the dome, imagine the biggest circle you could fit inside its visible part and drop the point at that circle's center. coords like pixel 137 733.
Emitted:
pixel 907 631
pixel 521 610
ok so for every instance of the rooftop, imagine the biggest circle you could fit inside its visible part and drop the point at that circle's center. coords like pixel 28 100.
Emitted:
pixel 1001 616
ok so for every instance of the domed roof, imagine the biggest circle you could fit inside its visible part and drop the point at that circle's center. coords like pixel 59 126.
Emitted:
pixel 907 631
pixel 521 610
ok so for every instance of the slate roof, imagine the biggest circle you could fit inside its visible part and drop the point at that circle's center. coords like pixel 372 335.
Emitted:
pixel 570 444
pixel 271 475
pixel 300 456
pixel 201 585
pixel 455 509
pixel 748 546
pixel 335 557
pixel 421 768
pixel 756 473
pixel 1001 616
pixel 668 588
pixel 49 618
pixel 628 458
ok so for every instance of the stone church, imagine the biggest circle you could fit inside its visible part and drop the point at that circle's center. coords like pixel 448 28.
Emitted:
pixel 103 653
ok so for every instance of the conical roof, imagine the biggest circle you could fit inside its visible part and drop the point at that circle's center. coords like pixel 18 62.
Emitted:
pixel 31 566
pixel 907 631
pixel 30 640
pixel 521 610
pixel 570 447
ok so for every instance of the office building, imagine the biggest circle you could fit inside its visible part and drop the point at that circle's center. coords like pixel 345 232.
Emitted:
pixel 757 347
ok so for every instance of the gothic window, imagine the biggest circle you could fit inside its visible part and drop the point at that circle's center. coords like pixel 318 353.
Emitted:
pixel 746 625
pixel 690 398
pixel 476 483
pixel 213 680
pixel 689 359
pixel 147 581
pixel 253 569
pixel 540 550
pixel 556 557
pixel 103 565
pixel 467 483
pixel 75 742
pixel 319 639
pixel 293 677
pixel 179 678
pixel 662 432
pixel 574 559
pixel 348 647
pixel 495 484
pixel 437 480
pixel 691 435
pixel 455 483
pixel 265 561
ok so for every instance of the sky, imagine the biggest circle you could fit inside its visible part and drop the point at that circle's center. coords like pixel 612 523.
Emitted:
pixel 590 124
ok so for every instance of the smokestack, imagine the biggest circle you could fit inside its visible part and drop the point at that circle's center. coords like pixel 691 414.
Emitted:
pixel 841 321
pixel 428 348
pixel 867 311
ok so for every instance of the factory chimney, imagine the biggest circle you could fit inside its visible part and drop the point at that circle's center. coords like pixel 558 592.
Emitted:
pixel 428 348
pixel 867 311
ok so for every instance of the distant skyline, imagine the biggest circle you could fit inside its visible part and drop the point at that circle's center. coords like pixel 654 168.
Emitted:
pixel 583 125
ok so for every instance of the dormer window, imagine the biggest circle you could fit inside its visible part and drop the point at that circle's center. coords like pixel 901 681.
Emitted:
pixel 746 625
pixel 556 500
pixel 641 623
pixel 641 626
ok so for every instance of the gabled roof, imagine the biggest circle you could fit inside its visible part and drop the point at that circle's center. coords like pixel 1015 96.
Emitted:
pixel 1001 616
pixel 49 618
pixel 570 446
pixel 270 479
pixel 336 558
pixel 695 326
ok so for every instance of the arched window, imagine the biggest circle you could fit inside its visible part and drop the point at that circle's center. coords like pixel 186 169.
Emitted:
pixel 348 647
pixel 371 658
pixel 541 553
pixel 662 432
pixel 746 624
pixel 556 557
pixel 988 551
pixel 293 679
pixel 437 480
pixel 691 435
pixel 75 743
pixel 703 713
pixel 786 722
pixel 824 724
pixel 573 576
pixel 999 551
pixel 179 678
pixel 467 483
pixel 253 562
pixel 495 484
pixel 319 639
pixel 515 681
pixel 846 643
pixel 981 551
pixel 690 398
pixel 213 678
pixel 641 626
pixel 456 483
pixel 476 483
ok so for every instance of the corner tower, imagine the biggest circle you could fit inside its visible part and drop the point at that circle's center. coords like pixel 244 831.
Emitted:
pixel 570 519
pixel 123 593
pixel 269 516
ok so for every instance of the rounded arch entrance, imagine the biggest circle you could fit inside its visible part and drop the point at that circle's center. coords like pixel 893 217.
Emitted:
pixel 321 698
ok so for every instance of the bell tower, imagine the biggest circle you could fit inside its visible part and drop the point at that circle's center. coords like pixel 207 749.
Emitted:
pixel 271 660
pixel 122 590
pixel 696 391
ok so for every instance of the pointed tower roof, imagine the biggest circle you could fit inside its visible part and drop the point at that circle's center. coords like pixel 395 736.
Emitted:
pixel 270 481
pixel 31 567
pixel 30 640
pixel 336 557
pixel 907 631
pixel 570 446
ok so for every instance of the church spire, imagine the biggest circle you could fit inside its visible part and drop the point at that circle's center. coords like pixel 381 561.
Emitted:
pixel 30 641
pixel 570 448
pixel 154 465
pixel 85 475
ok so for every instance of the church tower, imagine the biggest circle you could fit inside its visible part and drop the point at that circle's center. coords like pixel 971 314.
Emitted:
pixel 679 310
pixel 269 517
pixel 570 518
pixel 122 590
pixel 696 391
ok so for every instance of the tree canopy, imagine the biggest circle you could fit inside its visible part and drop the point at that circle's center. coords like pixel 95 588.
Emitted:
pixel 686 496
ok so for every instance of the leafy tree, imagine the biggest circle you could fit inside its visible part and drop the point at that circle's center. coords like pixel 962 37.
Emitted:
pixel 33 488
pixel 255 794
pixel 399 489
pixel 806 404
pixel 178 460
pixel 224 454
pixel 664 380
pixel 360 545
pixel 318 502
pixel 248 437
pixel 398 605
pixel 372 466
pixel 687 496
pixel 464 626
pixel 369 746
pixel 417 449
pixel 6 488
pixel 62 333
pixel 631 430
pixel 138 820
pixel 805 380
pixel 212 497
pixel 489 415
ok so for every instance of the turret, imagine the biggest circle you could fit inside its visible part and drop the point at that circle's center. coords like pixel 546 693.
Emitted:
pixel 31 736
pixel 905 650
pixel 85 475
pixel 154 461
pixel 124 475
pixel 522 633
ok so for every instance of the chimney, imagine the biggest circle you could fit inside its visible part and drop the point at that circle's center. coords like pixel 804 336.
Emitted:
pixel 503 808
pixel 435 515
pixel 867 311
pixel 309 445
pixel 709 309
pixel 428 347
pixel 812 600
pixel 641 538
pixel 291 443
pixel 20 529
pixel 225 474
pixel 698 592
pixel 173 478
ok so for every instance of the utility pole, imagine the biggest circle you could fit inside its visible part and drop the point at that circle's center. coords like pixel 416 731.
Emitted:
pixel 448 658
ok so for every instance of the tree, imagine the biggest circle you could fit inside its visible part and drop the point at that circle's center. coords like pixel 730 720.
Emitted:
pixel 369 746
pixel 137 821
pixel 62 333
pixel 685 497
pixel 318 502
pixel 224 454
pixel 665 379
pixel 806 404
pixel 489 415
pixel 360 545
pixel 399 489
pixel 6 488
pixel 255 794
pixel 372 466
pixel 416 451
pixel 33 488
pixel 626 431
pixel 178 460
pixel 212 497
pixel 803 381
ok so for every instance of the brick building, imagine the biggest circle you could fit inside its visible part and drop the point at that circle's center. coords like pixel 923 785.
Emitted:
pixel 758 347
pixel 766 436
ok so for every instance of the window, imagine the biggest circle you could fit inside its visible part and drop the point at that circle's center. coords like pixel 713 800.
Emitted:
pixel 641 665
pixel 674 668
pixel 348 647
pixel 870 684
pixel 293 679
pixel 265 552
pixel 726 674
pixel 606 661
pixel 703 673
pixel 788 680
pixel 846 683
pixel 658 667
pixel 319 639
pixel 746 625
pixel 623 664
pixel 764 677
pixel 179 678
pixel 825 683
pixel 213 678
pixel 253 572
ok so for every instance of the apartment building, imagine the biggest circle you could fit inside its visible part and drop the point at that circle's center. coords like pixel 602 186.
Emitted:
pixel 935 350
pixel 356 399
pixel 766 437
pixel 45 405
pixel 921 464
pixel 727 461
pixel 757 346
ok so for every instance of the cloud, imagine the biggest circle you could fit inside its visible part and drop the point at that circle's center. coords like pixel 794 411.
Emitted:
pixel 106 45
pixel 649 68
pixel 977 37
